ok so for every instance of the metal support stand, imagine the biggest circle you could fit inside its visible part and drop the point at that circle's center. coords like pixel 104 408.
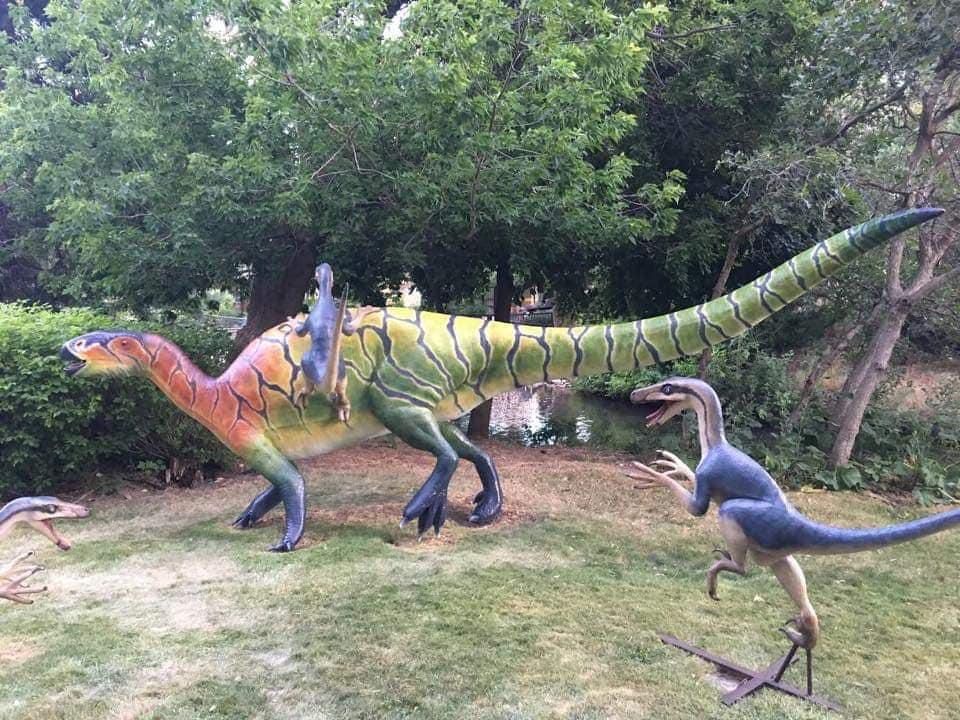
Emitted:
pixel 753 680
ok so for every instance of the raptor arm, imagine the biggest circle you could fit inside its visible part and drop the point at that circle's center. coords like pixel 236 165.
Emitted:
pixel 696 502
pixel 356 317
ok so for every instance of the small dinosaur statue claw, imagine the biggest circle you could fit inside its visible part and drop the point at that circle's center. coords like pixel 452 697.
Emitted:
pixel 722 553
pixel 13 577
pixel 801 636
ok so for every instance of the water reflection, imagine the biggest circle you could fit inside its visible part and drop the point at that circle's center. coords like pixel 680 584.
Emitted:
pixel 555 414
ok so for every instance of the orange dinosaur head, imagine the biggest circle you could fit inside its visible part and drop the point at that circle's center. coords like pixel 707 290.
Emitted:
pixel 118 352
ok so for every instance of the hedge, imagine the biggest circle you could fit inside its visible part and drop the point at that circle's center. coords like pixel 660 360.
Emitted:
pixel 57 430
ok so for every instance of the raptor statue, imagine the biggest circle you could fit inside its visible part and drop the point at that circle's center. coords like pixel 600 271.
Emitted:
pixel 39 513
pixel 412 373
pixel 754 514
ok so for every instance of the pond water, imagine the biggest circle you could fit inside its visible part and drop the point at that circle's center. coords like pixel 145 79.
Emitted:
pixel 556 414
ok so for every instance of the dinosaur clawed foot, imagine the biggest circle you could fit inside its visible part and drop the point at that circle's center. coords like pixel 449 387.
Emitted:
pixel 712 586
pixel 800 634
pixel 12 579
pixel 285 545
pixel 487 507
pixel 245 520
pixel 429 506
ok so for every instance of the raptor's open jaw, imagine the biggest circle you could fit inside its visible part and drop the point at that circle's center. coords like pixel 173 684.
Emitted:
pixel 656 404
pixel 74 364
pixel 654 417
pixel 59 540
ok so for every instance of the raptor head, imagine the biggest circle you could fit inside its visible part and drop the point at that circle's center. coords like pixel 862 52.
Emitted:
pixel 117 352
pixel 668 398
pixel 40 512
pixel 324 276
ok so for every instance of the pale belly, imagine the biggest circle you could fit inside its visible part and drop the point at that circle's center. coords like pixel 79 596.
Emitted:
pixel 305 441
pixel 298 442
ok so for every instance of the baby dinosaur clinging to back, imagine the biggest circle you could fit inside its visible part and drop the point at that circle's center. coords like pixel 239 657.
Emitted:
pixel 322 363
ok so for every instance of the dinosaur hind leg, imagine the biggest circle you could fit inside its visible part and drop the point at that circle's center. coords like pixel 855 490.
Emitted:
pixel 288 484
pixel 734 559
pixel 419 428
pixel 489 501
pixel 258 507
pixel 807 624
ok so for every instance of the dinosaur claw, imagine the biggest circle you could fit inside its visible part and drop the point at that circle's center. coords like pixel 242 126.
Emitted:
pixel 429 507
pixel 283 546
pixel 488 508
pixel 722 553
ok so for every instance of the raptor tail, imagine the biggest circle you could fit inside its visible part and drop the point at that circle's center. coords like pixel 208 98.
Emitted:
pixel 826 539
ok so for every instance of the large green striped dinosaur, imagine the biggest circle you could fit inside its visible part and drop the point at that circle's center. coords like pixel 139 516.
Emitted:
pixel 412 372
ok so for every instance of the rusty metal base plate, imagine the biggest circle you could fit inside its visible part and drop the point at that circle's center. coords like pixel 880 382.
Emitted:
pixel 753 680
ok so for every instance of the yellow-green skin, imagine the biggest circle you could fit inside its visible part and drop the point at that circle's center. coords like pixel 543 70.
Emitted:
pixel 411 372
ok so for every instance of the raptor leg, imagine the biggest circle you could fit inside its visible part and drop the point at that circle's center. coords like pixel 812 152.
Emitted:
pixel 489 501
pixel 258 507
pixel 288 484
pixel 806 631
pixel 418 428
pixel 734 560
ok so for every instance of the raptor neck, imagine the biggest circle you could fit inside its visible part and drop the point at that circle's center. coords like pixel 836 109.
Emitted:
pixel 8 518
pixel 709 420
pixel 175 374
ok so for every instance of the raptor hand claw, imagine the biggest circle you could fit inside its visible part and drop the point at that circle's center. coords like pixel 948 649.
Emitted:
pixel 13 576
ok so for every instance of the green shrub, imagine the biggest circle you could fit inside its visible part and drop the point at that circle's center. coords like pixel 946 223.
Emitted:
pixel 58 429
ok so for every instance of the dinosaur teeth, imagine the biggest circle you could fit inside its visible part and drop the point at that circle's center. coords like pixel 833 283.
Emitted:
pixel 655 416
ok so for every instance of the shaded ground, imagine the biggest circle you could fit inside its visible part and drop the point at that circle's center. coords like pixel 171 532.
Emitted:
pixel 163 611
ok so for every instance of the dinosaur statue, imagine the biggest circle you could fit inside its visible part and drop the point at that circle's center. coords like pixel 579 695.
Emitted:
pixel 39 513
pixel 322 363
pixel 754 514
pixel 412 373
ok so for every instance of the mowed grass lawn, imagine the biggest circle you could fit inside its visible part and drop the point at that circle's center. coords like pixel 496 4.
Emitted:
pixel 163 611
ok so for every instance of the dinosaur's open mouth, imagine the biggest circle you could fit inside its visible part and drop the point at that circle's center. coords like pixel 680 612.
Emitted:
pixel 60 541
pixel 654 410
pixel 74 364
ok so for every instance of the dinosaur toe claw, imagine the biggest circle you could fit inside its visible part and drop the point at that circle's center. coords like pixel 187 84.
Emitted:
pixel 487 508
pixel 429 509
pixel 283 546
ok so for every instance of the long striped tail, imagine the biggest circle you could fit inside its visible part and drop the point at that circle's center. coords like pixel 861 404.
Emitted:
pixel 533 354
pixel 818 539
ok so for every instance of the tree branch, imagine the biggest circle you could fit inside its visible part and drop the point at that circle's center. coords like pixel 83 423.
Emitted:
pixel 935 284
pixel 863 115
pixel 660 35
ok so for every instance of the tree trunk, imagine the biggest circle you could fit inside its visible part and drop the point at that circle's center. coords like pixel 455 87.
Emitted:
pixel 869 371
pixel 836 347
pixel 479 426
pixel 720 286
pixel 276 294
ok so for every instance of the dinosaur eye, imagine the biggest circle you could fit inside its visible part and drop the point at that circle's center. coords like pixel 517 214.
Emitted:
pixel 666 388
pixel 50 509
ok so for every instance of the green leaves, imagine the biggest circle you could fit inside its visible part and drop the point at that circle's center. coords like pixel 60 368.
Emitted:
pixel 57 429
